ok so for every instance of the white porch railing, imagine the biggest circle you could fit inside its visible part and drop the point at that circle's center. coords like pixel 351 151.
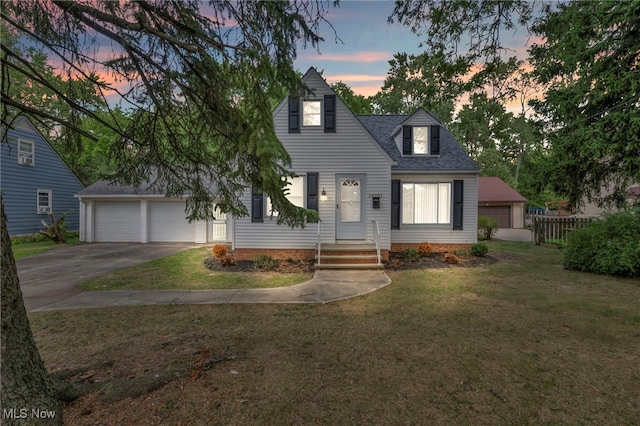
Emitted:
pixel 318 241
pixel 376 235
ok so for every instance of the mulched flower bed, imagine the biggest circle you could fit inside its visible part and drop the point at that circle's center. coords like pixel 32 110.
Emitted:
pixel 435 260
pixel 284 266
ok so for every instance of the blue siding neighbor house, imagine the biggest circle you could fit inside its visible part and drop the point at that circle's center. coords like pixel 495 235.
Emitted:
pixel 34 181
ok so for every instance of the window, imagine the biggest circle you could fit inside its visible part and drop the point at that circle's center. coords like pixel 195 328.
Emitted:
pixel 25 153
pixel 426 203
pixel 420 140
pixel 311 113
pixel 420 145
pixel 295 195
pixel 44 201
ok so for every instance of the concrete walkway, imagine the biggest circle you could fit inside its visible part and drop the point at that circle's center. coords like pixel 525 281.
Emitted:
pixel 51 280
pixel 324 287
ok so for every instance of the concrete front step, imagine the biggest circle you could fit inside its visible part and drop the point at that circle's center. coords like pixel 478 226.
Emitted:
pixel 347 266
pixel 347 247
pixel 367 256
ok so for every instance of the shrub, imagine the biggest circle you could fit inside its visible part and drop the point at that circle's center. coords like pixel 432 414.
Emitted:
pixel 479 249
pixel 26 239
pixel 410 254
pixel 607 246
pixel 265 262
pixel 486 227
pixel 227 261
pixel 55 230
pixel 219 250
pixel 425 249
pixel 462 252
pixel 451 259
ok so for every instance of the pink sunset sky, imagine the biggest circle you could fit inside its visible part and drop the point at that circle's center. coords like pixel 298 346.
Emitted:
pixel 361 57
pixel 361 60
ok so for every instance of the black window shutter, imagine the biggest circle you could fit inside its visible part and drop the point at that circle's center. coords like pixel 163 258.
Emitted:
pixel 330 113
pixel 395 204
pixel 312 193
pixel 458 204
pixel 294 115
pixel 434 146
pixel 257 206
pixel 407 140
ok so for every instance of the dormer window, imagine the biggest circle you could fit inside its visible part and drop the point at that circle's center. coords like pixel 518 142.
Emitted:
pixel 311 113
pixel 420 145
pixel 421 140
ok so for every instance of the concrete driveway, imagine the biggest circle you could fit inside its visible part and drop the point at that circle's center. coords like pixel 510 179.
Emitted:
pixel 510 234
pixel 54 275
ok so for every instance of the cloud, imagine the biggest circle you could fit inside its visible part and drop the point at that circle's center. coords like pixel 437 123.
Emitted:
pixel 359 57
pixel 354 78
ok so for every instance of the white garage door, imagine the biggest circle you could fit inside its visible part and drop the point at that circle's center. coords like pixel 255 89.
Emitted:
pixel 167 222
pixel 117 221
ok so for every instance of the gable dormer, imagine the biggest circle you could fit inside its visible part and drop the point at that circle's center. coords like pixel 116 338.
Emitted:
pixel 418 135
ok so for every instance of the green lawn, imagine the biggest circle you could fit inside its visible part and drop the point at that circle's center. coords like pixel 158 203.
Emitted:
pixel 27 249
pixel 521 341
pixel 186 271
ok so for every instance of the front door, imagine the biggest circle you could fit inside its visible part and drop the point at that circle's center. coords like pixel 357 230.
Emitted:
pixel 219 231
pixel 350 221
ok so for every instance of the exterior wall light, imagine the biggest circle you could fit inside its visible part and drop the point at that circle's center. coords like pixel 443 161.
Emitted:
pixel 323 195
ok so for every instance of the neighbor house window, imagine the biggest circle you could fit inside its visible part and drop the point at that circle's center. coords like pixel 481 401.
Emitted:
pixel 295 195
pixel 25 152
pixel 426 203
pixel 44 201
pixel 420 144
pixel 311 113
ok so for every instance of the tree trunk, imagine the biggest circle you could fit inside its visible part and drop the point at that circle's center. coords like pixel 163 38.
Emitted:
pixel 28 396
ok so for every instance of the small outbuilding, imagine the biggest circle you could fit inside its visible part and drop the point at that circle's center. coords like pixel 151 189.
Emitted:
pixel 499 201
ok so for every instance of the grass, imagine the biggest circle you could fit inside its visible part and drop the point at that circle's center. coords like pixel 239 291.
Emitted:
pixel 21 250
pixel 186 271
pixel 521 341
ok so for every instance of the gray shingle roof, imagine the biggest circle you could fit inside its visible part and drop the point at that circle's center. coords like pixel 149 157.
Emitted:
pixel 106 187
pixel 452 156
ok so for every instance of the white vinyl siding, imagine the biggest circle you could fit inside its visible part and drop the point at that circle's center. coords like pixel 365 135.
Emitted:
pixel 427 203
pixel 311 113
pixel 351 150
pixel 117 221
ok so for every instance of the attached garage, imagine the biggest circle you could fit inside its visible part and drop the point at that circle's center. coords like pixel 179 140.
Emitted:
pixel 167 223
pixel 116 221
pixel 499 201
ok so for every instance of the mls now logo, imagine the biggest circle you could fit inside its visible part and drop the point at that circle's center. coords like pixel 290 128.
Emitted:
pixel 23 413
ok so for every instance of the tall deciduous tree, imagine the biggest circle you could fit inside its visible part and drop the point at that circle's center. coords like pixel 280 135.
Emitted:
pixel 198 79
pixel 590 61
pixel 428 81
pixel 588 65
pixel 358 104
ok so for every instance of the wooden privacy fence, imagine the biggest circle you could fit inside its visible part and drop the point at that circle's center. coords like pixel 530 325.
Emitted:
pixel 547 228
